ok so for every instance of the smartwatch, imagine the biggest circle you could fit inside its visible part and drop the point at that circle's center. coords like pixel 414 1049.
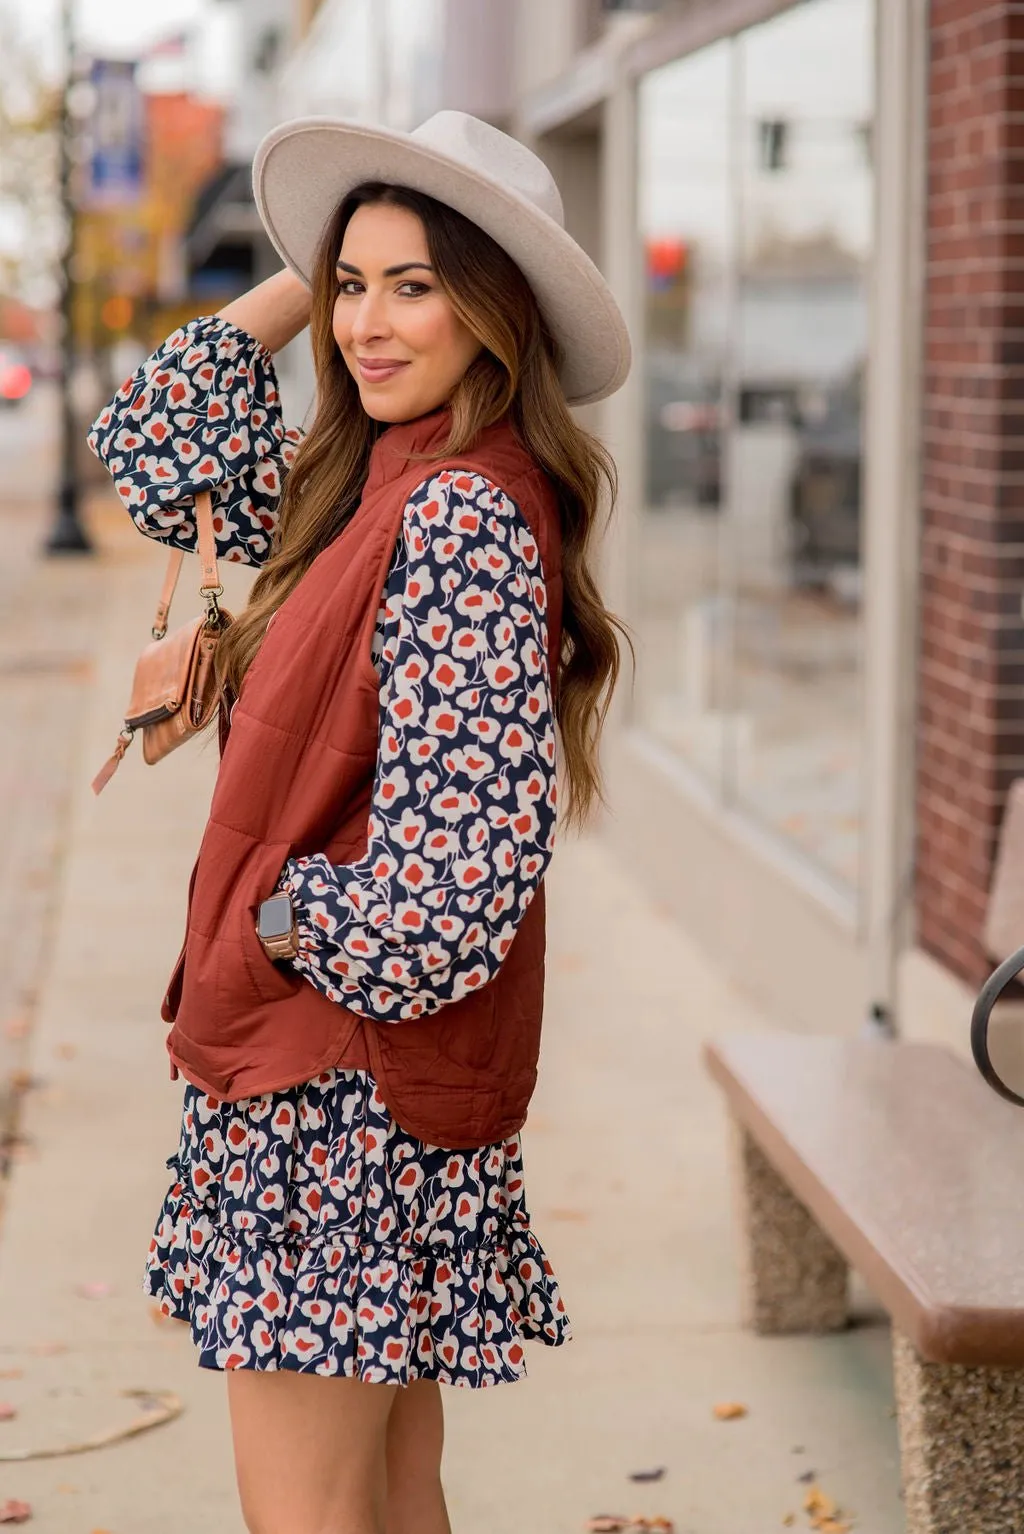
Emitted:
pixel 277 928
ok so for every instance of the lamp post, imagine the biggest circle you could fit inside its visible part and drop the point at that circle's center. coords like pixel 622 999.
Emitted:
pixel 67 535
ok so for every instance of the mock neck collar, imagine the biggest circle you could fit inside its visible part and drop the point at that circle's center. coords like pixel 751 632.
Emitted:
pixel 399 446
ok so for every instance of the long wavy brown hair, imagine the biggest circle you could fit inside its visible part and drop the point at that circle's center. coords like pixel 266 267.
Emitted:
pixel 515 374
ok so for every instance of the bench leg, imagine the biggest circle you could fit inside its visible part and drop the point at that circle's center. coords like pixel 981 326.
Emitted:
pixel 795 1279
pixel 961 1445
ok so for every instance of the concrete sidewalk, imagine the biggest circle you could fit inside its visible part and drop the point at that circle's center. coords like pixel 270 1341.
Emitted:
pixel 47 627
pixel 627 1167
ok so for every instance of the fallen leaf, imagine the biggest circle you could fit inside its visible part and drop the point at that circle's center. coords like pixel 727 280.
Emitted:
pixel 66 1489
pixel 789 1520
pixel 15 1512
pixel 11 1374
pixel 824 1514
pixel 7 1411
pixel 729 1411
pixel 94 1289
pixel 818 1505
pixel 21 1081
pixel 662 1525
pixel 606 1524
pixel 647 1475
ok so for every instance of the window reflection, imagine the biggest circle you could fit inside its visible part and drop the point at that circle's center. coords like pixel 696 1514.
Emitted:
pixel 755 183
pixel 687 222
pixel 795 454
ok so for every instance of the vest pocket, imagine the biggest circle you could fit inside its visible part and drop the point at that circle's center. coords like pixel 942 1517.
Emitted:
pixel 172 993
pixel 270 981
pixel 247 977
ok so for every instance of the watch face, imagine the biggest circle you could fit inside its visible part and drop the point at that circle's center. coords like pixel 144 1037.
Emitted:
pixel 275 917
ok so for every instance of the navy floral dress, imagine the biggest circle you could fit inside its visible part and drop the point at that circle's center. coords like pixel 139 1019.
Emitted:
pixel 305 1229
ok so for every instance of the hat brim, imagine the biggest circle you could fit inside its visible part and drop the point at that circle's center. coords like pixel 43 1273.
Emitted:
pixel 305 168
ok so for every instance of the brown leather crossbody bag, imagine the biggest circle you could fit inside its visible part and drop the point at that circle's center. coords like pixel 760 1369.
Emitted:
pixel 175 692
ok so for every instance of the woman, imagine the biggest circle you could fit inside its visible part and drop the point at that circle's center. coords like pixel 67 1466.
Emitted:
pixel 347 1226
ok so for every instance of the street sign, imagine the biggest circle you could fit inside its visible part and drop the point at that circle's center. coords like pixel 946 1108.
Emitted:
pixel 115 136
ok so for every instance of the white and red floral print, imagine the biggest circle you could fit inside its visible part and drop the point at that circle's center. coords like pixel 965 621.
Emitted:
pixel 304 1230
pixel 461 832
pixel 203 413
pixel 462 821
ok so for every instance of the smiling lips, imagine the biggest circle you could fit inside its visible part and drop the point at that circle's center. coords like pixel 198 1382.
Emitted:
pixel 379 369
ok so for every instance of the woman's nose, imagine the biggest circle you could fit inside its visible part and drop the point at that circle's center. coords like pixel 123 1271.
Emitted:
pixel 370 320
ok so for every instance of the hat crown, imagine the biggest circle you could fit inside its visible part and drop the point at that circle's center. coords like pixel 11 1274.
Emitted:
pixel 482 148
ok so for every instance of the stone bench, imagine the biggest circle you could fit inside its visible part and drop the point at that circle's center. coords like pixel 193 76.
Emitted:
pixel 895 1160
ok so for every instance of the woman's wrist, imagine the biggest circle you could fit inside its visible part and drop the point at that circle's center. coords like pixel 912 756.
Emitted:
pixel 274 312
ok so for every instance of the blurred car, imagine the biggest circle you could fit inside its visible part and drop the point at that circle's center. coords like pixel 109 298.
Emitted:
pixel 15 376
pixel 825 494
pixel 684 430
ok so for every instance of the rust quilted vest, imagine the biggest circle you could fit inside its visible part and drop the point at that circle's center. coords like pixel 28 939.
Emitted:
pixel 297 777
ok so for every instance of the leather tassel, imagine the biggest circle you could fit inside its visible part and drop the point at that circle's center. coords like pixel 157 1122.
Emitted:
pixel 111 765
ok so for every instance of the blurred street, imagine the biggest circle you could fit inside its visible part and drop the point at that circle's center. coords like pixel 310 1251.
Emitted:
pixel 28 448
pixel 626 1153
pixel 809 212
pixel 47 637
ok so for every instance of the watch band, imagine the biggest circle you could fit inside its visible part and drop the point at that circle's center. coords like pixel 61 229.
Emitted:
pixel 278 948
pixel 286 947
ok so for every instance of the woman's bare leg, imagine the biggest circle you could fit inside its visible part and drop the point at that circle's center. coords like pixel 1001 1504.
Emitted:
pixel 415 1439
pixel 310 1452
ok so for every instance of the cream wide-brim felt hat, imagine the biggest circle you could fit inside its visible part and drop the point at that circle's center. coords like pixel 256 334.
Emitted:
pixel 305 168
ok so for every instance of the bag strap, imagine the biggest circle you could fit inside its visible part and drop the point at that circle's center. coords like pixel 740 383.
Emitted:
pixel 210 587
pixel 990 993
pixel 163 607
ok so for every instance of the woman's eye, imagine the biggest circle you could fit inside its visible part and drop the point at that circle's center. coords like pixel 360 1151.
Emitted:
pixel 350 287
pixel 413 289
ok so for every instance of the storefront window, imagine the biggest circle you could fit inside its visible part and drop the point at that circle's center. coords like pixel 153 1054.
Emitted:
pixel 749 558
pixel 688 222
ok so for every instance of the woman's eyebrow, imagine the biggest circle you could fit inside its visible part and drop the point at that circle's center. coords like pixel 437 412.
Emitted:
pixel 391 271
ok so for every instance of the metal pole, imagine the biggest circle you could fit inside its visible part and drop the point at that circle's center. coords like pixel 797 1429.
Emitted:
pixel 67 535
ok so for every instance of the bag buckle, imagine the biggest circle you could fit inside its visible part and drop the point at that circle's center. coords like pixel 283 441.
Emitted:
pixel 210 595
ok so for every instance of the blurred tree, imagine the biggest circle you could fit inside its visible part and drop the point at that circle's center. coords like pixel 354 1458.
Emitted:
pixel 31 227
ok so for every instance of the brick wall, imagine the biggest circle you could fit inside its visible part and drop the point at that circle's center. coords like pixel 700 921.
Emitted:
pixel 971 712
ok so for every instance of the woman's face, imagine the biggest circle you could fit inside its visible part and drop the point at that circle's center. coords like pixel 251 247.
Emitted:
pixel 401 339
